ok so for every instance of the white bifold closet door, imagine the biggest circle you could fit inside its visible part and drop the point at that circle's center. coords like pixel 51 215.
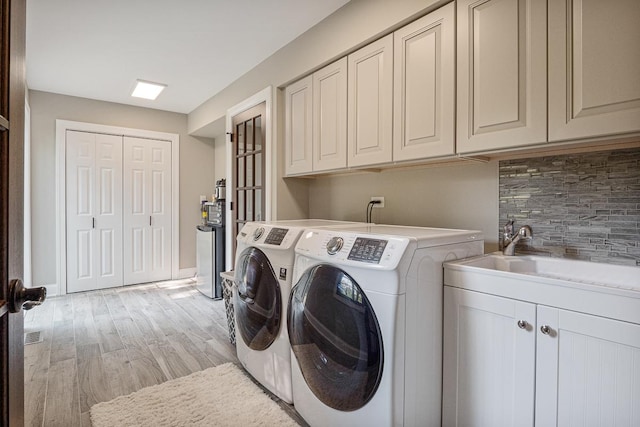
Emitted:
pixel 94 211
pixel 147 210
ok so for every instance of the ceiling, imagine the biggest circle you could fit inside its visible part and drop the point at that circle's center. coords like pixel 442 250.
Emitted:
pixel 98 48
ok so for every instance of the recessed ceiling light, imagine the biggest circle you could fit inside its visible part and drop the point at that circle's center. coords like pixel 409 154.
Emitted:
pixel 147 90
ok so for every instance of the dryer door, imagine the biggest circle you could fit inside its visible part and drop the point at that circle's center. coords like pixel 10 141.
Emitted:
pixel 335 337
pixel 259 300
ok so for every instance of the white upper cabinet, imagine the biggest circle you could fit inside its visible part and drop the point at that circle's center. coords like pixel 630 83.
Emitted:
pixel 424 87
pixel 472 77
pixel 330 117
pixel 370 104
pixel 316 121
pixel 594 68
pixel 298 127
pixel 501 74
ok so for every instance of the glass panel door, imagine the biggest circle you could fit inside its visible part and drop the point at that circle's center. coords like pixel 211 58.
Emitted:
pixel 248 167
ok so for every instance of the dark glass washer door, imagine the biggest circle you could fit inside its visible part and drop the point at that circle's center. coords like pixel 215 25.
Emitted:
pixel 258 303
pixel 335 337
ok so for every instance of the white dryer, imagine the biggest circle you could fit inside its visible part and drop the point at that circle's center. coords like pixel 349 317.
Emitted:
pixel 365 323
pixel 263 271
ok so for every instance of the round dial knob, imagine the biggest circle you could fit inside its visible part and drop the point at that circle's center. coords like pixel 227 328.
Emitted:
pixel 258 233
pixel 334 245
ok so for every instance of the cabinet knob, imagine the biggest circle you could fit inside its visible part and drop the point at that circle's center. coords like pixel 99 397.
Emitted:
pixel 545 329
pixel 522 324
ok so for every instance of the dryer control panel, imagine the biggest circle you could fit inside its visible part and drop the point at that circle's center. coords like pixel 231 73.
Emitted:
pixel 367 250
pixel 265 235
pixel 346 247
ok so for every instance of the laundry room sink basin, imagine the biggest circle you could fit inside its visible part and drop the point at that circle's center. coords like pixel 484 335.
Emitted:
pixel 579 272
pixel 572 284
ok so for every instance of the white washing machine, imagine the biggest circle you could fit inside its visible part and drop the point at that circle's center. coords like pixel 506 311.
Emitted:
pixel 263 271
pixel 365 323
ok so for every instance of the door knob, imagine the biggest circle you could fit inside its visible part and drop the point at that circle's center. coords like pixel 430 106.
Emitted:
pixel 21 297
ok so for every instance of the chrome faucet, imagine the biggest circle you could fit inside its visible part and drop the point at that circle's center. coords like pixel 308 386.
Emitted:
pixel 510 239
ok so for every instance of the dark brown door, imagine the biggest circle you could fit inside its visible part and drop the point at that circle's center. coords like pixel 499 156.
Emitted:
pixel 12 294
pixel 248 168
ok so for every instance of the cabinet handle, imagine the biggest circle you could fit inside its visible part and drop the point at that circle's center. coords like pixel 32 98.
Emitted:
pixel 149 220
pixel 522 324
pixel 93 222
pixel 545 329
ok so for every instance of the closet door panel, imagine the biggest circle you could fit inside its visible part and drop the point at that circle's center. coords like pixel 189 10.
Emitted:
pixel 160 210
pixel 109 211
pixel 138 264
pixel 147 210
pixel 136 213
pixel 94 211
pixel 84 259
pixel 80 209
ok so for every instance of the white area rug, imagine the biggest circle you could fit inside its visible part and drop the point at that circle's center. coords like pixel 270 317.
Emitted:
pixel 219 396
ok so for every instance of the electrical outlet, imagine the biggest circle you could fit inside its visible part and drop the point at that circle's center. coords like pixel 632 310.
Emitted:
pixel 380 199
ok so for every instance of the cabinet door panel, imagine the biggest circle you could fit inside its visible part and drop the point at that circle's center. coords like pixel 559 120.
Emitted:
pixel 501 72
pixel 594 65
pixel 588 370
pixel 298 127
pixel 424 87
pixel 330 117
pixel 489 366
pixel 370 88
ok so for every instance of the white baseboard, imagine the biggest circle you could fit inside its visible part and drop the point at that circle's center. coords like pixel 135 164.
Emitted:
pixel 53 290
pixel 186 273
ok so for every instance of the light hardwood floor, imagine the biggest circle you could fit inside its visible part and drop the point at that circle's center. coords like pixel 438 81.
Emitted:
pixel 102 344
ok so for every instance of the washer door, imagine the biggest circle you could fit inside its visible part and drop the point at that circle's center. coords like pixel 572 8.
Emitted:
pixel 335 338
pixel 259 301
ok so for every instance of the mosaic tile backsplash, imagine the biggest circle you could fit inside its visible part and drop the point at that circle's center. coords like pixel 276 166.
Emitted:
pixel 581 206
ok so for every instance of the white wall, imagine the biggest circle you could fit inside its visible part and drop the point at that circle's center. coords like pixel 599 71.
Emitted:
pixel 463 196
pixel 353 25
pixel 196 168
pixel 220 153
